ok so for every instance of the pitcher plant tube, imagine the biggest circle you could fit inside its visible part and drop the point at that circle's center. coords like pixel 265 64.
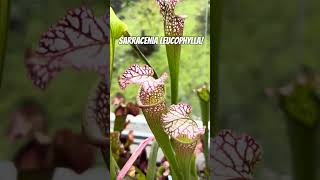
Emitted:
pixel 151 99
pixel 173 27
pixel 185 135
pixel 175 131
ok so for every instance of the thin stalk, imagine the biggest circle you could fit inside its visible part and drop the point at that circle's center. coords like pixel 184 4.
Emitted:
pixel 4 21
pixel 173 55
pixel 140 54
pixel 152 163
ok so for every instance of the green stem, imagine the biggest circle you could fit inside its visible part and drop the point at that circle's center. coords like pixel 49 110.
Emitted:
pixel 303 145
pixel 153 113
pixel 173 55
pixel 164 142
pixel 152 161
pixel 184 159
pixel 4 21
pixel 194 172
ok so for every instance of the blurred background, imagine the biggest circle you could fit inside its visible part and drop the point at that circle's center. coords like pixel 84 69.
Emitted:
pixel 264 44
pixel 42 129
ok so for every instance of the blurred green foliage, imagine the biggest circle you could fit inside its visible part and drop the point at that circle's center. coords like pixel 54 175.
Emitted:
pixel 264 44
pixel 66 97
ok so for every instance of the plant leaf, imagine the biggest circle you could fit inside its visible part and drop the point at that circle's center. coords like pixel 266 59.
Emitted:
pixel 79 40
pixel 173 26
pixel 233 157
pixel 177 122
pixel 142 76
pixel 117 29
pixel 152 163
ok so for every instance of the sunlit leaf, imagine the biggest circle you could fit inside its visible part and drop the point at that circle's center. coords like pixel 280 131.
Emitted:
pixel 233 157
pixel 117 29
pixel 79 40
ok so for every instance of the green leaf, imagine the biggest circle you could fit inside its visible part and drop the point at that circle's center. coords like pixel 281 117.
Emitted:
pixel 152 161
pixel 140 175
pixel 194 173
pixel 173 26
pixel 301 105
pixel 173 55
pixel 113 167
pixel 204 99
pixel 4 19
pixel 117 29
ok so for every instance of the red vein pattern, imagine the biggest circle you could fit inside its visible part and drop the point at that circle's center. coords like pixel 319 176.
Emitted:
pixel 177 122
pixel 79 40
pixel 173 23
pixel 98 107
pixel 142 76
pixel 233 157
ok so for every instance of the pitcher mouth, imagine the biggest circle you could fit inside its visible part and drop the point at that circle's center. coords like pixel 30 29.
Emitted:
pixel 141 105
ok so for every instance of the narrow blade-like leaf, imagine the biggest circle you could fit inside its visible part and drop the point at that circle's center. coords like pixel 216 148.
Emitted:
pixel 152 163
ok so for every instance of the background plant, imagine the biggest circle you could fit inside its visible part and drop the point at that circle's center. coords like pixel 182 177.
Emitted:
pixel 24 33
